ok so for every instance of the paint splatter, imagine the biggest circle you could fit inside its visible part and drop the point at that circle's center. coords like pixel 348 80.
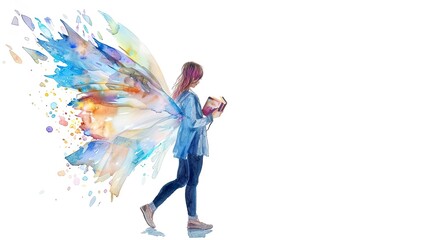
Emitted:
pixel 87 18
pixel 48 21
pixel 153 232
pixel 49 129
pixel 14 56
pixel 36 55
pixel 54 105
pixel 63 121
pixel 45 31
pixel 93 199
pixel 15 21
pixel 28 22
pixel 76 180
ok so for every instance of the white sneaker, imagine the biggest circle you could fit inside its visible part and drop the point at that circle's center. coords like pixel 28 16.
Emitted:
pixel 197 224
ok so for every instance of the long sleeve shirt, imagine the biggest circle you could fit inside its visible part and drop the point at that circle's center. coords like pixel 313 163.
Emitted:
pixel 192 134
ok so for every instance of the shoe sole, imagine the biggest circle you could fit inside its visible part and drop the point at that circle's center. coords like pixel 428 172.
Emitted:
pixel 192 228
pixel 196 228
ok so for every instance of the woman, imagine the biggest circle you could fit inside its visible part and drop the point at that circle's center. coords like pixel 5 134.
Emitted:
pixel 190 148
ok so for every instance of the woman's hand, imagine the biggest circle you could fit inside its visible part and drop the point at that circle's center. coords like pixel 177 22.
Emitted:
pixel 216 113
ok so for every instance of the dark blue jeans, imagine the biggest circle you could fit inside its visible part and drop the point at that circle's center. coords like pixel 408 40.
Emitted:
pixel 187 175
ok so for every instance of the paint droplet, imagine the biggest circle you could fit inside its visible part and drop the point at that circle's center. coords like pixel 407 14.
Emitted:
pixel 68 188
pixel 76 181
pixel 14 56
pixel 28 22
pixel 85 178
pixel 53 105
pixel 61 173
pixel 15 21
pixel 99 35
pixel 89 193
pixel 87 19
pixel 48 21
pixel 63 121
pixel 42 84
pixel 93 199
pixel 49 129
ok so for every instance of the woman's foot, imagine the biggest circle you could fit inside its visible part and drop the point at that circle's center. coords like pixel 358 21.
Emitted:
pixel 148 215
pixel 197 224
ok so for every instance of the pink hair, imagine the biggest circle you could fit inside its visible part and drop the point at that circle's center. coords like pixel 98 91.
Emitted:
pixel 191 72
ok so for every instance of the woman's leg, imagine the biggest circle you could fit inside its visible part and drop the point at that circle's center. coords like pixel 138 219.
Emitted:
pixel 180 181
pixel 195 166
pixel 166 191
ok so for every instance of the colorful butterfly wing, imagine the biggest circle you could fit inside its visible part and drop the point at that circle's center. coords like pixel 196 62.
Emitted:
pixel 122 100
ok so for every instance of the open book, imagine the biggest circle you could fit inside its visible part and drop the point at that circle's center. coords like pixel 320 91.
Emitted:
pixel 212 104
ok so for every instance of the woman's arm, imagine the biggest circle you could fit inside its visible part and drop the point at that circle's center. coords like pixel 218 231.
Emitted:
pixel 190 112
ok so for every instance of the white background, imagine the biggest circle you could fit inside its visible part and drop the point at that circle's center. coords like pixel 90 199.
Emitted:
pixel 325 136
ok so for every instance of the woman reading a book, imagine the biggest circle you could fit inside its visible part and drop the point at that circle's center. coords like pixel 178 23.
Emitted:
pixel 190 147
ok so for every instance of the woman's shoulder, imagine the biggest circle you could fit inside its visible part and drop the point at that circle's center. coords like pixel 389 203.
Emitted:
pixel 188 94
pixel 187 98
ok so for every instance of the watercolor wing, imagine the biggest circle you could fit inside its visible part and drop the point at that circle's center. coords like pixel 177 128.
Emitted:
pixel 121 98
pixel 135 49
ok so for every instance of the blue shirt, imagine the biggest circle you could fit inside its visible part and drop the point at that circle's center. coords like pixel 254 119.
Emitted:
pixel 192 134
